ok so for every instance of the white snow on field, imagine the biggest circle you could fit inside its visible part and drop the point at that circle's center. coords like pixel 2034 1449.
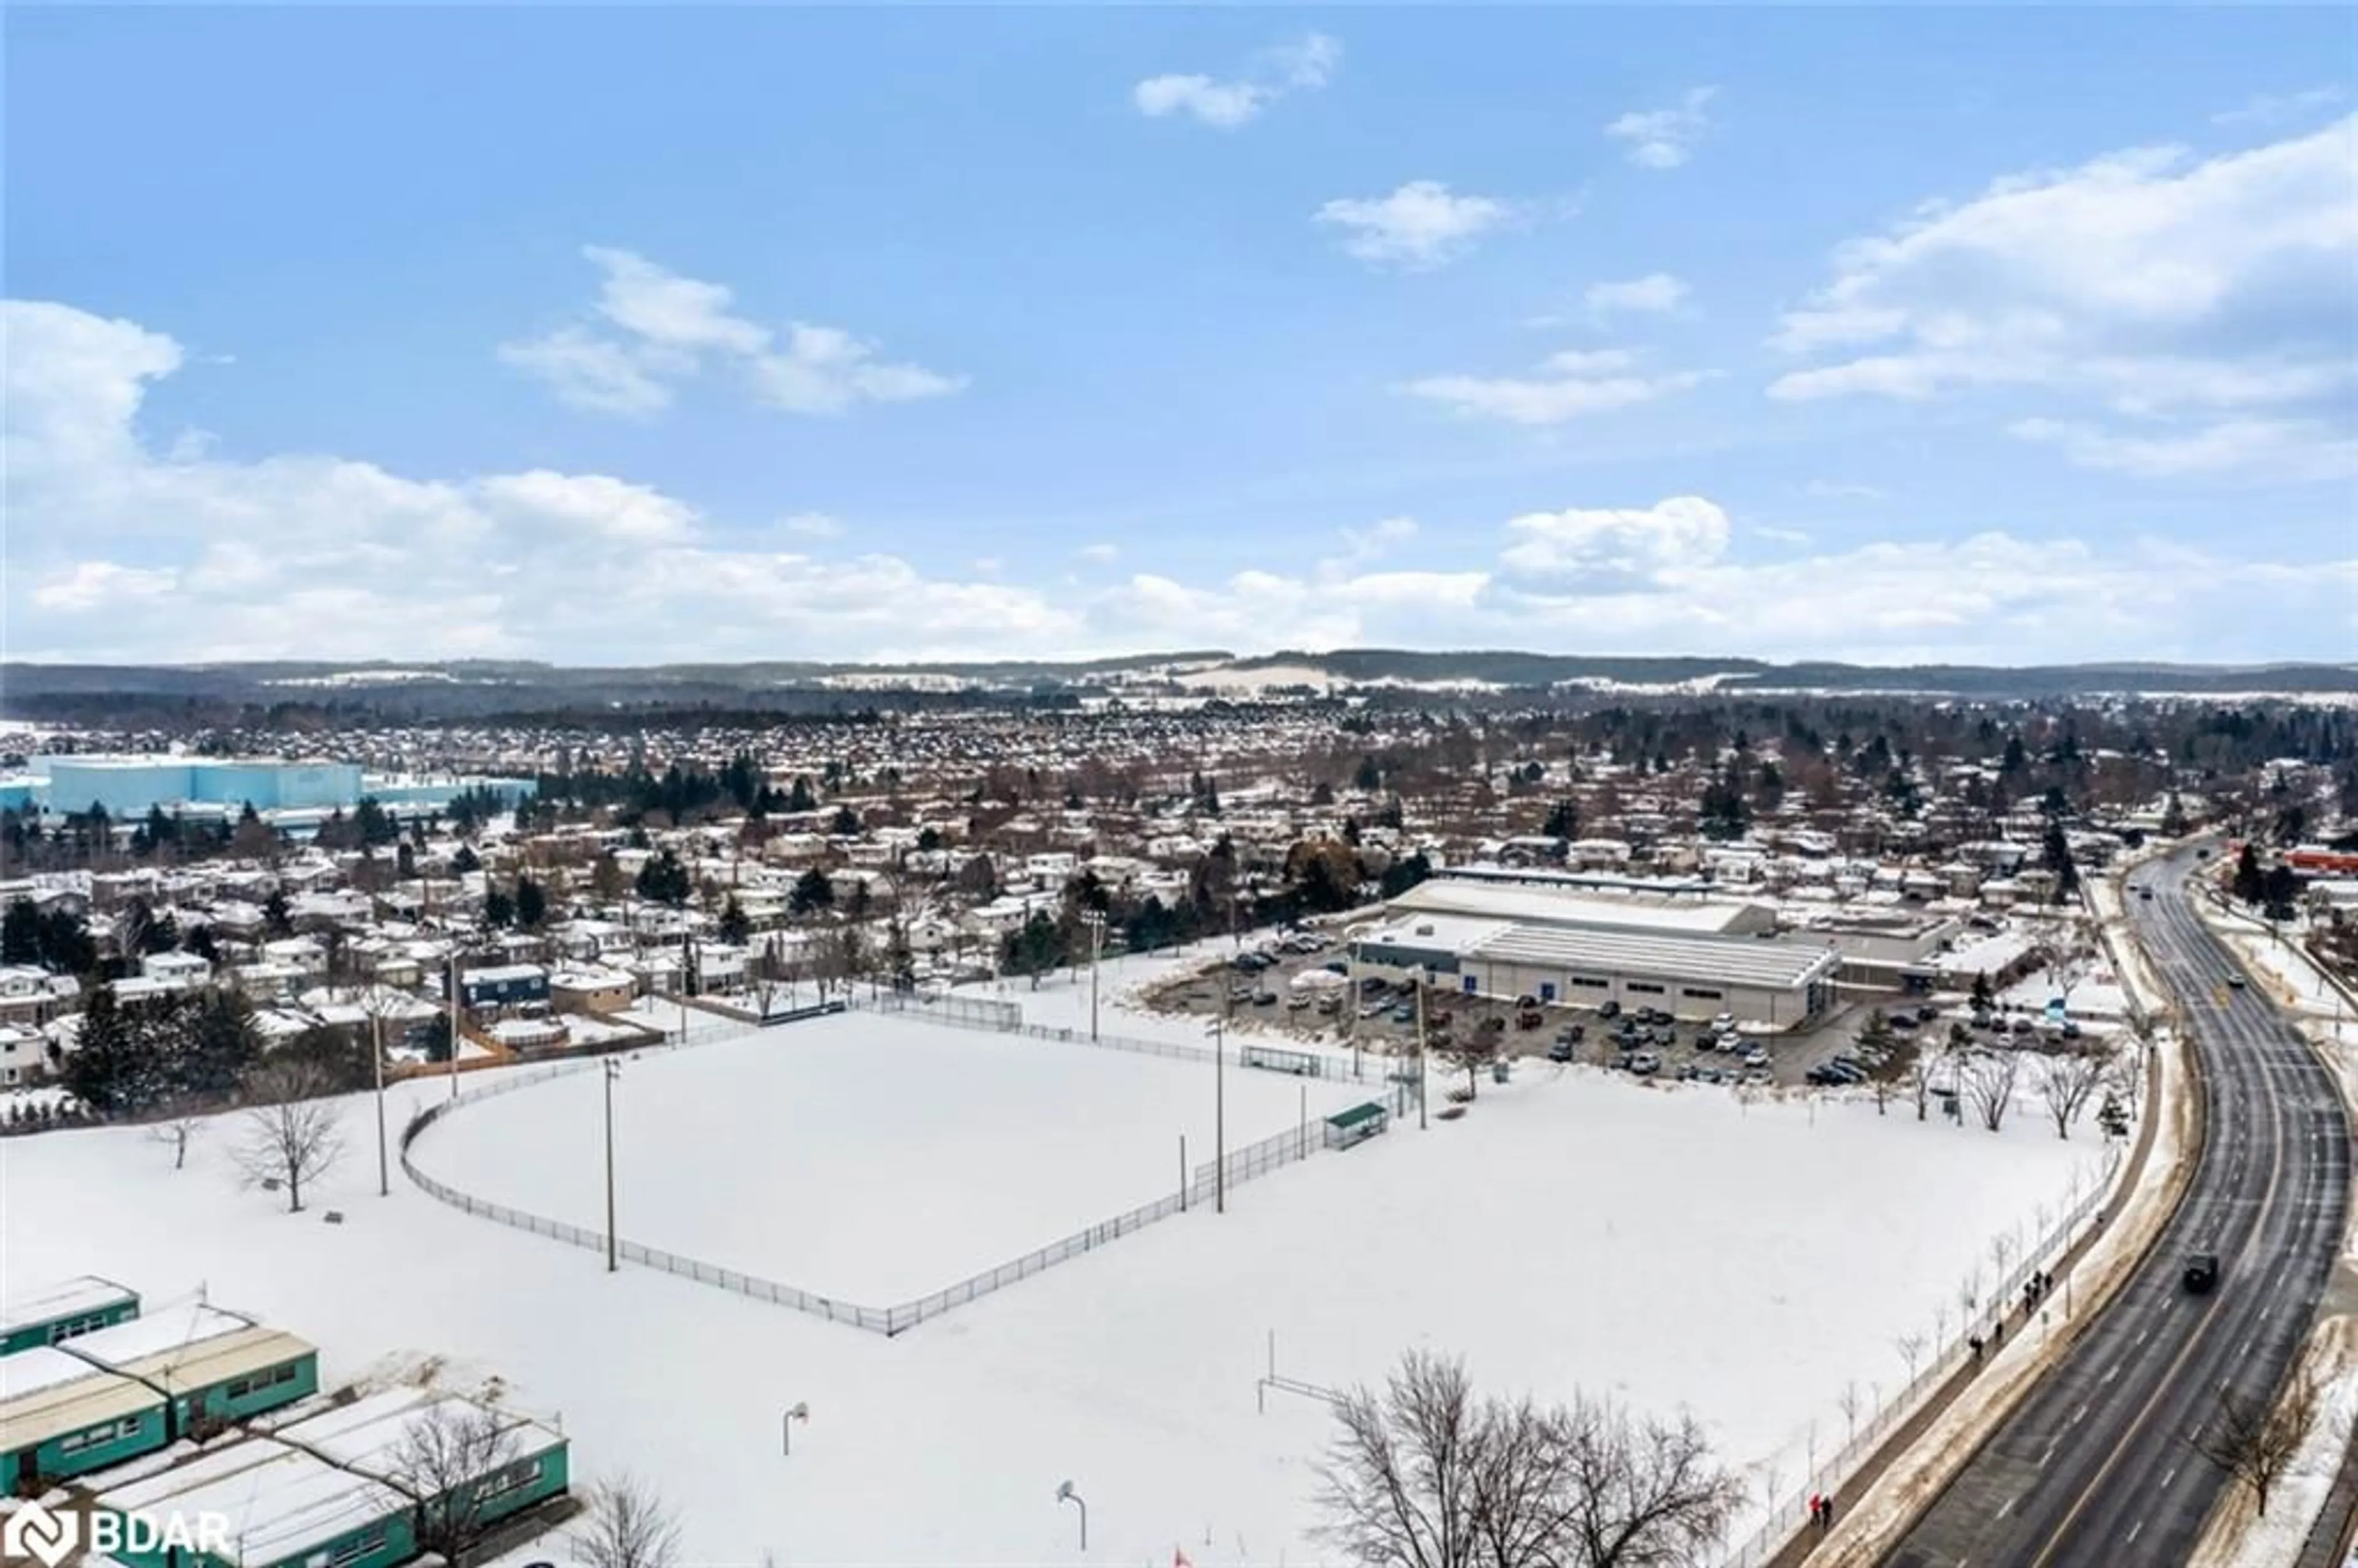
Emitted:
pixel 866 1157
pixel 1746 1259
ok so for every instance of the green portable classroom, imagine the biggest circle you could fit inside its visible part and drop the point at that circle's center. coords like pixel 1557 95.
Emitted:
pixel 61 1417
pixel 525 1461
pixel 44 1315
pixel 213 1367
pixel 292 1510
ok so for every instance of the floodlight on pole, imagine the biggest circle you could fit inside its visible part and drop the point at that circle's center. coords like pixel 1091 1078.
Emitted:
pixel 376 1050
pixel 1065 1494
pixel 786 1426
pixel 1096 921
pixel 613 1070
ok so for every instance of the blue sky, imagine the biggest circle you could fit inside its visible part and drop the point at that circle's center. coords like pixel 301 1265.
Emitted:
pixel 618 334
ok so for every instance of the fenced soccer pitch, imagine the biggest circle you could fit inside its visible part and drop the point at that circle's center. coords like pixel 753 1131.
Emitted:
pixel 891 1167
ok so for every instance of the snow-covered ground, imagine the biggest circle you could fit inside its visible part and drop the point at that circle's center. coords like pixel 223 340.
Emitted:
pixel 1746 1258
pixel 868 1157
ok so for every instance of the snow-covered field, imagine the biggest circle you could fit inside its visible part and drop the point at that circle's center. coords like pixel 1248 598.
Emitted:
pixel 1748 1258
pixel 867 1157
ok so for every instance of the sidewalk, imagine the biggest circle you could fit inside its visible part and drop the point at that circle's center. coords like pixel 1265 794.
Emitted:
pixel 1866 1525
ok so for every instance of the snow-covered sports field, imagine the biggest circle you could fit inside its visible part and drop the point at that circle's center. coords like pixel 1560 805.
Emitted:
pixel 868 1157
pixel 1671 1245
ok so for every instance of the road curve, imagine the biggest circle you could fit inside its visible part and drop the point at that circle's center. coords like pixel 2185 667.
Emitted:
pixel 2092 1469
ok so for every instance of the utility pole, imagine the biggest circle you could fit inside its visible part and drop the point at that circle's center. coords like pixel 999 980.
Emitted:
pixel 1421 1124
pixel 613 1070
pixel 454 1020
pixel 1220 1107
pixel 376 1043
pixel 1096 921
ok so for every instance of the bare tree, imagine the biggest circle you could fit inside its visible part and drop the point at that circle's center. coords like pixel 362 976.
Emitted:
pixel 2254 1439
pixel 628 1525
pixel 1919 1080
pixel 2069 1081
pixel 1910 1346
pixel 1644 1493
pixel 1852 1399
pixel 293 1134
pixel 444 1458
pixel 1989 1085
pixel 1426 1475
pixel 175 1133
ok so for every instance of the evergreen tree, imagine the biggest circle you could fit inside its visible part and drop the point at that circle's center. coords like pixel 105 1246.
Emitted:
pixel 531 903
pixel 1562 820
pixel 274 918
pixel 21 933
pixel 812 891
pixel 2249 885
pixel 114 1067
pixel 735 928
pixel 499 908
pixel 2055 854
pixel 466 862
pixel 845 823
pixel 800 797
pixel 664 880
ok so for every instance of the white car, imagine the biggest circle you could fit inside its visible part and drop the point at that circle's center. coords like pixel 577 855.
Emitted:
pixel 1756 1057
pixel 1724 1023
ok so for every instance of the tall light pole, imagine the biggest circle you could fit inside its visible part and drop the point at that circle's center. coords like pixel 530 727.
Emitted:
pixel 1096 921
pixel 1421 1124
pixel 613 1070
pixel 1065 1494
pixel 453 1000
pixel 1220 1110
pixel 376 1043
pixel 786 1426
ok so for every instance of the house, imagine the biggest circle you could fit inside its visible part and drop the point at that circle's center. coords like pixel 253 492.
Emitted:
pixel 505 985
pixel 178 970
pixel 589 988
pixel 33 995
pixel 292 1509
pixel 26 1055
pixel 61 1416
pixel 43 1314
pixel 211 1366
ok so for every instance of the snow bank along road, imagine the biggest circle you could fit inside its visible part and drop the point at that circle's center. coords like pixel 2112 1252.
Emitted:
pixel 2092 1470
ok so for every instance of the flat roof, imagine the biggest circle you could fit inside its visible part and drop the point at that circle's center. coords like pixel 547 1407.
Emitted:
pixel 1764 962
pixel 46 1393
pixel 193 1346
pixel 1548 905
pixel 38 1305
pixel 371 1433
pixel 279 1500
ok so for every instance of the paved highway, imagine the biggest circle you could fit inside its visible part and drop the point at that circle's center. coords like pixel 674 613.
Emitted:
pixel 2092 1469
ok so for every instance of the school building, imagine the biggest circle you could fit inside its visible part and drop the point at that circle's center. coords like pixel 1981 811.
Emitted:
pixel 43 1314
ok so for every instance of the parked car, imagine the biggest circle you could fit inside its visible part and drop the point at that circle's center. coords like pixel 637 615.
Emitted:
pixel 1645 1063
pixel 1756 1058
pixel 1264 997
pixel 1725 1023
pixel 1561 1051
pixel 1572 1035
pixel 1927 1014
pixel 1610 1010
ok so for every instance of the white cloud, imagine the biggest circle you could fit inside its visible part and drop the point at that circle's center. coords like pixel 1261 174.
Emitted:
pixel 2144 281
pixel 672 328
pixel 822 370
pixel 1571 385
pixel 1779 535
pixel 811 526
pixel 1836 490
pixel 1099 555
pixel 93 585
pixel 122 549
pixel 1657 291
pixel 1420 225
pixel 1304 64
pixel 2287 449
pixel 589 373
pixel 1666 138
pixel 2275 108
pixel 1615 545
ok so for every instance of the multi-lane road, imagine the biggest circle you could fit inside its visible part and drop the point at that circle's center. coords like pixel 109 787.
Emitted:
pixel 2093 1469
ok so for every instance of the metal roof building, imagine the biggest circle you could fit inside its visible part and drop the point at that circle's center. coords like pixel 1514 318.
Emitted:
pixel 284 1507
pixel 43 1314
pixel 61 1416
pixel 210 1365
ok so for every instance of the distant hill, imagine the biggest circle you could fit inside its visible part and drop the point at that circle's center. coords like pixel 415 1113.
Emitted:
pixel 440 691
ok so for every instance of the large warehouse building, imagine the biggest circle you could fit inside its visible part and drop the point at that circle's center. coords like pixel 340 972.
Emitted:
pixel 1574 948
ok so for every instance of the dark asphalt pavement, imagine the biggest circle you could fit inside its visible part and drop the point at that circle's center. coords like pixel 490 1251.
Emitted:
pixel 2093 1468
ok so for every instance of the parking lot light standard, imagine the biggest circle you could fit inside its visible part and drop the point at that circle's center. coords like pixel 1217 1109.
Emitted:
pixel 613 1070
pixel 1096 921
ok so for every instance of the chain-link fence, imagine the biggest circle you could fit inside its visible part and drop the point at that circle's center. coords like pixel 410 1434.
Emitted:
pixel 1242 1166
pixel 1790 1513
pixel 1007 1017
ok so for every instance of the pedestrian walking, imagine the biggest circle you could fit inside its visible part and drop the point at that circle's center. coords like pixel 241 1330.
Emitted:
pixel 1827 1512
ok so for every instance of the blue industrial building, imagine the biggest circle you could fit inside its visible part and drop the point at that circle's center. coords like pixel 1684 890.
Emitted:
pixel 128 786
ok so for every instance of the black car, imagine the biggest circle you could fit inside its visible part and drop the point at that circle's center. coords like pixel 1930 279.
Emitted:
pixel 1560 1052
pixel 1610 1009
pixel 2201 1271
